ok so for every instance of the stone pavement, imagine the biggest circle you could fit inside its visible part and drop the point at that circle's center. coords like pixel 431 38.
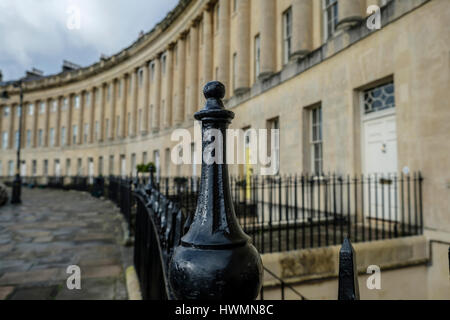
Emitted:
pixel 53 229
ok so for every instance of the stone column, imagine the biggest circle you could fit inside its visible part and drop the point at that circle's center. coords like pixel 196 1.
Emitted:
pixel 112 120
pixel 207 45
pixel 93 106
pixel 123 109
pixel 14 115
pixel 302 30
pixel 35 123
pixel 58 122
pixel 267 27
pixel 224 43
pixel 193 69
pixel 101 105
pixel 169 86
pixel 69 120
pixel 47 121
pixel 81 118
pixel 350 12
pixel 156 93
pixel 181 71
pixel 134 102
pixel 243 47
pixel 146 88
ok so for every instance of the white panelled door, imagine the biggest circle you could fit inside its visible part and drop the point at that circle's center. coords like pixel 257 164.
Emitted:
pixel 380 164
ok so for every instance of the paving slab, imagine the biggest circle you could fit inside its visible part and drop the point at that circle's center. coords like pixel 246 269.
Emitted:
pixel 52 230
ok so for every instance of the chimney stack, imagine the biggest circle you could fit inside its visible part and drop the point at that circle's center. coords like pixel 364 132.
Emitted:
pixel 69 66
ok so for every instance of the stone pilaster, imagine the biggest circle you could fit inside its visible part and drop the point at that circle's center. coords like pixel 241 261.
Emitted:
pixel 34 130
pixel 243 47
pixel 350 12
pixel 58 122
pixel 156 94
pixel 123 109
pixel 112 119
pixel 82 97
pixel 302 14
pixel 193 69
pixel 134 102
pixel 146 90
pixel 47 122
pixel 267 27
pixel 93 108
pixel 169 87
pixel 179 106
pixel 207 45
pixel 224 43
pixel 69 120
pixel 101 105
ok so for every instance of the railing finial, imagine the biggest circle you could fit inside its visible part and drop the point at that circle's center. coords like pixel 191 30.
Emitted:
pixel 215 259
pixel 348 273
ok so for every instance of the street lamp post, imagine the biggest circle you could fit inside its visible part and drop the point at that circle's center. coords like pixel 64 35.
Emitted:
pixel 17 183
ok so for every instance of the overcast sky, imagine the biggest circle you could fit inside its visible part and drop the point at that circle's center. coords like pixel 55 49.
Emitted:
pixel 42 33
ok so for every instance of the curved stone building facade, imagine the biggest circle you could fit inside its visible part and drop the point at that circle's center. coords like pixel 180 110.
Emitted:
pixel 313 69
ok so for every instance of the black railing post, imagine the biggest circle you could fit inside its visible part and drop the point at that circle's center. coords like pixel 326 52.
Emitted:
pixel 215 259
pixel 348 273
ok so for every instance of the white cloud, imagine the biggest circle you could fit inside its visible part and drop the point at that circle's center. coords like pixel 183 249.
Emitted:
pixel 35 33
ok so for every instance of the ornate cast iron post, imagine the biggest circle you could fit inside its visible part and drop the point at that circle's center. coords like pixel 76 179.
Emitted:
pixel 348 273
pixel 215 259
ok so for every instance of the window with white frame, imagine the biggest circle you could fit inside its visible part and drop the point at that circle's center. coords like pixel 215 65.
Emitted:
pixel 330 17
pixel 45 171
pixel 28 138
pixel 74 134
pixel 87 99
pixel 5 140
pixel 54 105
pixel 40 137
pixel 272 125
pixel 68 169
pixel 6 111
pixel 66 104
pixel 77 102
pixel 287 35
pixel 19 111
pixel 257 56
pixel 10 168
pixel 100 166
pixel 97 130
pixel 42 108
pixel 63 136
pixel 52 137
pixel 379 98
pixel 31 109
pixel 34 167
pixel 86 132
pixel 79 167
pixel 111 165
pixel 316 140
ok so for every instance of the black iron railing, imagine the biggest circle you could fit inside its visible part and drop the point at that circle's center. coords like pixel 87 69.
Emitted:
pixel 293 212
